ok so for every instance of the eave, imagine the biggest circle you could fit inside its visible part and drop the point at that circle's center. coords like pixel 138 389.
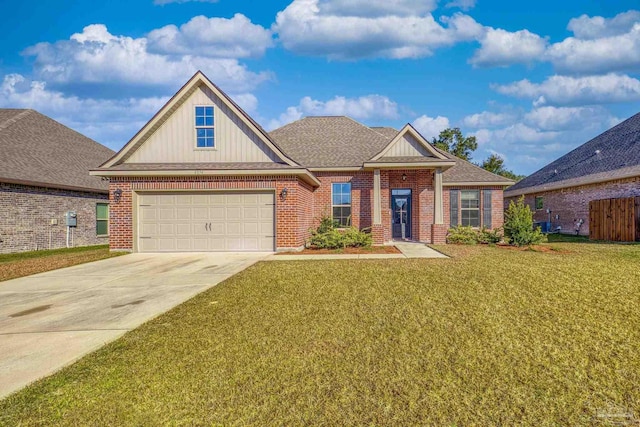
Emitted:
pixel 304 174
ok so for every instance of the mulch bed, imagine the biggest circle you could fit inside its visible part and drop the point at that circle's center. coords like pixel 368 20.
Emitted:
pixel 346 251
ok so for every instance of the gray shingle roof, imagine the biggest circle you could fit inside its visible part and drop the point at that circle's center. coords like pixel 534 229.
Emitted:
pixel 336 141
pixel 36 149
pixel 611 154
pixel 341 141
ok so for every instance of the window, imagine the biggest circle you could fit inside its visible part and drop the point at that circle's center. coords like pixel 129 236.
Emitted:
pixel 470 208
pixel 539 203
pixel 205 137
pixel 341 203
pixel 102 219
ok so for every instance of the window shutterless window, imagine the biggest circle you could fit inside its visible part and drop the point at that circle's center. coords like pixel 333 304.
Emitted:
pixel 539 203
pixel 470 208
pixel 205 130
pixel 341 203
pixel 102 219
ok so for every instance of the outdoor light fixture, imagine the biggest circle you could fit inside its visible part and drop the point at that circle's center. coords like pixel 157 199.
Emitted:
pixel 117 195
pixel 283 193
pixel 404 176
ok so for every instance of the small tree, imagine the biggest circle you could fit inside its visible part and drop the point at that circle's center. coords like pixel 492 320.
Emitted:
pixel 518 225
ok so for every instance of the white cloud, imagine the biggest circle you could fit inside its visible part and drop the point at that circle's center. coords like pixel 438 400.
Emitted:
pixel 163 2
pixel 97 56
pixel 430 127
pixel 462 4
pixel 499 47
pixel 237 37
pixel 247 101
pixel 488 119
pixel 362 108
pixel 589 28
pixel 376 8
pixel 110 122
pixel 550 118
pixel 339 31
pixel 567 90
pixel 614 53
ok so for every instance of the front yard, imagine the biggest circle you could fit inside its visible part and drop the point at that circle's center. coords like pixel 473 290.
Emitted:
pixel 490 337
pixel 23 264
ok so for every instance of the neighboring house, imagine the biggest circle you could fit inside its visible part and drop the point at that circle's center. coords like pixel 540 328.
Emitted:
pixel 204 176
pixel 608 166
pixel 44 173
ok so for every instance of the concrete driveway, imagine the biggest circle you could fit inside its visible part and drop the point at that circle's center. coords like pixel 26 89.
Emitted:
pixel 51 319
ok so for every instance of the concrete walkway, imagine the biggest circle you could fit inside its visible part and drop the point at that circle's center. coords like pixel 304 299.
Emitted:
pixel 51 319
pixel 408 249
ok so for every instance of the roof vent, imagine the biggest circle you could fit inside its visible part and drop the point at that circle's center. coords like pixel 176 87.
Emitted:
pixel 555 171
pixel 597 152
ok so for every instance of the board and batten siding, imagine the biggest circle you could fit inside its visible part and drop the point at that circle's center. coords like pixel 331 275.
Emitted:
pixel 407 146
pixel 175 140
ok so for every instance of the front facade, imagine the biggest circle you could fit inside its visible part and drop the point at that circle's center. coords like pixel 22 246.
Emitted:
pixel 606 167
pixel 203 176
pixel 44 174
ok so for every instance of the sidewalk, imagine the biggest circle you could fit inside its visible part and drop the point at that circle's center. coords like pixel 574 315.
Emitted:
pixel 408 249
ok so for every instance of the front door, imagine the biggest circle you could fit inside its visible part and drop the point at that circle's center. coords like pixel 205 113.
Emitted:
pixel 401 214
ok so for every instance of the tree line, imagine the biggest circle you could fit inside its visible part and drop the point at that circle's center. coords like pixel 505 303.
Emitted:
pixel 453 141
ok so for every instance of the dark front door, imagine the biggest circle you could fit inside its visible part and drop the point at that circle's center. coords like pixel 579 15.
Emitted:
pixel 401 214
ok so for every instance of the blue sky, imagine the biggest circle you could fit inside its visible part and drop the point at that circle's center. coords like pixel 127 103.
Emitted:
pixel 530 80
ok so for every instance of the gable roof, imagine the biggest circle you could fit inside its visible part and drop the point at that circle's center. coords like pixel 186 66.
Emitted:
pixel 37 150
pixel 329 141
pixel 408 129
pixel 165 112
pixel 614 154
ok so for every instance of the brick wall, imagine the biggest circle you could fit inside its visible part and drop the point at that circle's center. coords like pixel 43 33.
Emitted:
pixel 572 204
pixel 289 215
pixel 26 213
pixel 497 205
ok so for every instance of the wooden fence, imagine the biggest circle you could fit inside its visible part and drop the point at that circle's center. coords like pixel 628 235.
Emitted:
pixel 617 220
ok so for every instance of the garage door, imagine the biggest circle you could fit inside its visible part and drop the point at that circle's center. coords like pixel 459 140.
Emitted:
pixel 199 222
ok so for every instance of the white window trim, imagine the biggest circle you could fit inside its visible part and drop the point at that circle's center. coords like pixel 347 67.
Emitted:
pixel 471 209
pixel 195 132
pixel 342 206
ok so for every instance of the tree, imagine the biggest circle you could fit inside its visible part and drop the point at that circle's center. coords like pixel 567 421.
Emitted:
pixel 453 141
pixel 518 225
pixel 494 163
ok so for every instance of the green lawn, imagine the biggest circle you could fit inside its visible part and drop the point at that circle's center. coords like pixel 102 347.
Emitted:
pixel 490 337
pixel 27 263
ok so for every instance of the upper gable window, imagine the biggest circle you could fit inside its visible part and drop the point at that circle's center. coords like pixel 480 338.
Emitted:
pixel 205 135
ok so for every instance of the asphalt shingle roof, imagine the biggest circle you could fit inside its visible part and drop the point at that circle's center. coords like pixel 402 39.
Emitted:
pixel 604 157
pixel 37 149
pixel 329 141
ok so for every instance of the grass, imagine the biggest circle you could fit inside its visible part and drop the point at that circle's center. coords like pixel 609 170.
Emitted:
pixel 490 337
pixel 27 263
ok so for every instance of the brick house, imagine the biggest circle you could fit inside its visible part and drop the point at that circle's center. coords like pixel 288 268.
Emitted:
pixel 44 173
pixel 204 176
pixel 606 167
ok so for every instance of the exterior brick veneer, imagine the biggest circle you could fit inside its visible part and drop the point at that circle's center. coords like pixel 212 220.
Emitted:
pixel 304 205
pixel 572 204
pixel 26 213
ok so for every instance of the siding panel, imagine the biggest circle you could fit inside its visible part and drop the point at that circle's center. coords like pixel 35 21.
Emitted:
pixel 175 140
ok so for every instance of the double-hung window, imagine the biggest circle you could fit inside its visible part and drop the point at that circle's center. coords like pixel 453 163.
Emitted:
pixel 102 219
pixel 539 203
pixel 470 208
pixel 341 203
pixel 205 130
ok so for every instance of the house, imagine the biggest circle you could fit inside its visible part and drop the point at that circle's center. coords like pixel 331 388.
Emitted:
pixel 204 176
pixel 606 167
pixel 44 173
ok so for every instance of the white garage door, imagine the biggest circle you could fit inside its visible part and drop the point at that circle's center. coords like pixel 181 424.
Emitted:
pixel 199 222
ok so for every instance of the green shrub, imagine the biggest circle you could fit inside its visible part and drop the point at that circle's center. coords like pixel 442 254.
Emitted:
pixel 462 235
pixel 329 236
pixel 518 225
pixel 465 235
pixel 490 237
